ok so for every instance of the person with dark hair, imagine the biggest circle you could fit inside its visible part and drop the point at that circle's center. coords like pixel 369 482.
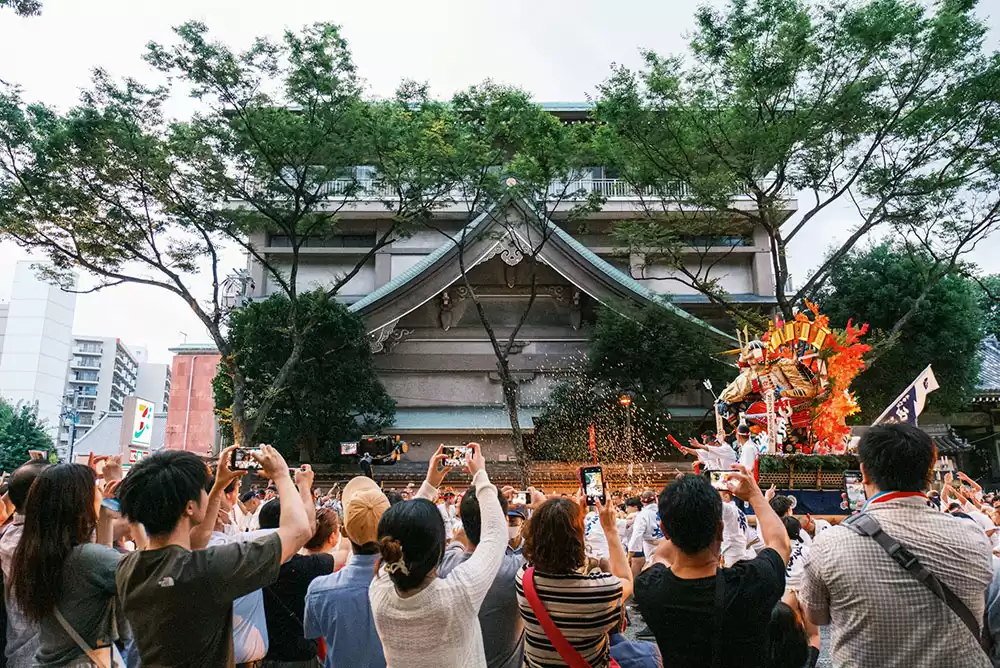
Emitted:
pixel 22 635
pixel 584 608
pixel 328 539
pixel 61 579
pixel 701 614
pixel 793 581
pixel 337 607
pixel 284 601
pixel 245 512
pixel 646 533
pixel 499 619
pixel 786 639
pixel 781 505
pixel 179 598
pixel 413 608
pixel 849 578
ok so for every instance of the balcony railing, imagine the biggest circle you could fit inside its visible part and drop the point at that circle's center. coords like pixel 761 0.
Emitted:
pixel 610 189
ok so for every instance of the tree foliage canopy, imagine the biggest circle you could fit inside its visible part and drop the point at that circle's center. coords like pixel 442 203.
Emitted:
pixel 653 355
pixel 878 285
pixel 23 7
pixel 20 431
pixel 333 394
pixel 886 106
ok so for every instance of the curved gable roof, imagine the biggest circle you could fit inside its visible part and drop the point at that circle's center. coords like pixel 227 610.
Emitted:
pixel 487 236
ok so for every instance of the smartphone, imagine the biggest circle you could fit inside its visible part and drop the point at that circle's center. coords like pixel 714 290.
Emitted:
pixel 856 496
pixel 112 505
pixel 242 461
pixel 454 455
pixel 592 481
pixel 520 499
pixel 718 479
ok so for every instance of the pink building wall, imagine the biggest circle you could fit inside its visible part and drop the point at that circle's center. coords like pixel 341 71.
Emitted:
pixel 191 421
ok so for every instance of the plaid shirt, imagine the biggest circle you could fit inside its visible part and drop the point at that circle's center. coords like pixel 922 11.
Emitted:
pixel 881 615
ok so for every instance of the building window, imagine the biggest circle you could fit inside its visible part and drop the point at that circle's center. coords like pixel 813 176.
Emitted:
pixel 331 241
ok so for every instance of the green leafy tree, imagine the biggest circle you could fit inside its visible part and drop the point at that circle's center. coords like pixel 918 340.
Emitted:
pixel 878 286
pixel 648 357
pixel 989 303
pixel 333 394
pixel 884 107
pixel 23 7
pixel 118 189
pixel 20 431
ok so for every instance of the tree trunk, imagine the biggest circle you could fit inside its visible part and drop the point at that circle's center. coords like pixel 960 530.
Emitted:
pixel 308 445
pixel 239 402
pixel 510 396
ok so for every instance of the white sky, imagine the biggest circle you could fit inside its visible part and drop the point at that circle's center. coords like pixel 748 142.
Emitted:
pixel 558 51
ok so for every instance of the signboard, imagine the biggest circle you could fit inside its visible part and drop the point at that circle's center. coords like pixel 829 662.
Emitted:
pixel 142 424
pixel 349 448
pixel 135 455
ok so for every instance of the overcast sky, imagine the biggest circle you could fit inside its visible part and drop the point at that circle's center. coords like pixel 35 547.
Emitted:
pixel 558 51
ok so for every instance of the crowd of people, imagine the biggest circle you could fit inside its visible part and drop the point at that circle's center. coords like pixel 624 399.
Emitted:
pixel 171 566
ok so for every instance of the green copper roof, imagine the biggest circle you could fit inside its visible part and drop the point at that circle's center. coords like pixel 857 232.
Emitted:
pixel 612 273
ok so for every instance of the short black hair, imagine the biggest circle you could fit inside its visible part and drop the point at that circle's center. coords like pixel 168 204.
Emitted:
pixel 634 501
pixel 690 512
pixel 897 457
pixel 792 527
pixel 394 497
pixel 210 483
pixel 246 496
pixel 270 514
pixel 781 504
pixel 157 489
pixel 21 480
pixel 468 512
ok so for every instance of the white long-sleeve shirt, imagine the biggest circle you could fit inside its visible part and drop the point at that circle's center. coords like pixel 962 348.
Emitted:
pixel 438 627
pixel 646 531
pixel 735 536
pixel 717 457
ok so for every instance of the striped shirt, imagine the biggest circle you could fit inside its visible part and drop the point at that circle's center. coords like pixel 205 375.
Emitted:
pixel 584 607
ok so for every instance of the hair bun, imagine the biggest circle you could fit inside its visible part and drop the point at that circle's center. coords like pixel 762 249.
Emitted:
pixel 391 549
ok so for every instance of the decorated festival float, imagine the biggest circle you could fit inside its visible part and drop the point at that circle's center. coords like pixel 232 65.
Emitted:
pixel 793 392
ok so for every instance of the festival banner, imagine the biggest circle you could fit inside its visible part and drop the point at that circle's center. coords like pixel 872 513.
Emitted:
pixel 910 403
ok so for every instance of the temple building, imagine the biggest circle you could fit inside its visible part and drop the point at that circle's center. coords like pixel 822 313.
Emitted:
pixel 432 350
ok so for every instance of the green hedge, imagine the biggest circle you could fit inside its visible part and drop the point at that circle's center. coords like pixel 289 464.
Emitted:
pixel 807 463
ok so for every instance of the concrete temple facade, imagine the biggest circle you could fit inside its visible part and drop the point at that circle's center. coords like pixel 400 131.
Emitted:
pixel 432 351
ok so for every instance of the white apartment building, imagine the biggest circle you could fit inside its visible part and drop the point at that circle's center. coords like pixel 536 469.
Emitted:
pixel 153 383
pixel 102 372
pixel 35 336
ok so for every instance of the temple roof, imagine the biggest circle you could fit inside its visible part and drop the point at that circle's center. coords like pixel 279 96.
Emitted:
pixel 492 233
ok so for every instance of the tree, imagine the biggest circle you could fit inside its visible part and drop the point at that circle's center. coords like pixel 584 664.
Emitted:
pixel 116 188
pixel 989 303
pixel 885 106
pixel 515 163
pixel 649 356
pixel 20 431
pixel 23 7
pixel 879 285
pixel 332 395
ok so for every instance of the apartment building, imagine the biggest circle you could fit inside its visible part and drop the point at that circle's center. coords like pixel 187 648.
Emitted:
pixel 153 383
pixel 432 352
pixel 102 372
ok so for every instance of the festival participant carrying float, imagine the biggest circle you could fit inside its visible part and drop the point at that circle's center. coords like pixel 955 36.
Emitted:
pixel 793 384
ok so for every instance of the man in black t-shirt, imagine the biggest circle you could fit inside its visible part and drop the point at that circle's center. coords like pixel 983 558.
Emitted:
pixel 285 600
pixel 677 595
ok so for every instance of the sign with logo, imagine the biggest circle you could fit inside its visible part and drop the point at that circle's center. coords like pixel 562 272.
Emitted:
pixel 135 455
pixel 142 424
pixel 349 448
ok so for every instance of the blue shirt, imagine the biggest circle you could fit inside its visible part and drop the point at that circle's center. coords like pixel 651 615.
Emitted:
pixel 337 609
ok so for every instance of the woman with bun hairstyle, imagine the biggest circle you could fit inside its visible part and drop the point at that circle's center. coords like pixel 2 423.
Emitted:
pixel 424 620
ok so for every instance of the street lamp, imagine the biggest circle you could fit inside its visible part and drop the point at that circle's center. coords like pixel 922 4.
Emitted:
pixel 625 400
pixel 237 289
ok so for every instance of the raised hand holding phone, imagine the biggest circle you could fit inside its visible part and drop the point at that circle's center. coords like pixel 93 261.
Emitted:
pixel 435 475
pixel 474 460
pixel 224 473
pixel 271 461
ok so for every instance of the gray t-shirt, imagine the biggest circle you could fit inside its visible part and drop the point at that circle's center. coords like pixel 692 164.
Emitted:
pixel 499 616
pixel 88 587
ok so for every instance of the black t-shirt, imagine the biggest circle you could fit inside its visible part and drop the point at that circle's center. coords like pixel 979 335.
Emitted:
pixel 284 605
pixel 681 613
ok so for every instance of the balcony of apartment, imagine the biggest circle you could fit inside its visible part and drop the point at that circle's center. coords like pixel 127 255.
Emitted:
pixel 88 349
pixel 88 379
pixel 85 363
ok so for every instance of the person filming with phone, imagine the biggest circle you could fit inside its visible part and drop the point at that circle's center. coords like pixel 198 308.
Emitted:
pixel 704 615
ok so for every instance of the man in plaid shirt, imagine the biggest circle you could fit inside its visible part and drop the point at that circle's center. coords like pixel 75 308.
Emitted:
pixel 881 615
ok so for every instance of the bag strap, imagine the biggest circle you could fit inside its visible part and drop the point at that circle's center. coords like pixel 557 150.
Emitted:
pixel 720 615
pixel 866 525
pixel 91 653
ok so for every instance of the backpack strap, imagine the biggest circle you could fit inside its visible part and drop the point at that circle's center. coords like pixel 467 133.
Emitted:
pixel 866 525
pixel 568 653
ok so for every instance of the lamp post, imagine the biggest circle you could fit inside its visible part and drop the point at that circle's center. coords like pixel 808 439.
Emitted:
pixel 237 289
pixel 69 412
pixel 625 400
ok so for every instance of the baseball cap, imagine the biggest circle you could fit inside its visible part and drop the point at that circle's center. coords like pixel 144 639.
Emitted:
pixel 364 504
pixel 517 511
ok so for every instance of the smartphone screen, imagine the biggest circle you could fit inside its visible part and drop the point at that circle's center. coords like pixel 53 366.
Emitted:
pixel 855 489
pixel 242 461
pixel 592 480
pixel 718 479
pixel 520 498
pixel 454 455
